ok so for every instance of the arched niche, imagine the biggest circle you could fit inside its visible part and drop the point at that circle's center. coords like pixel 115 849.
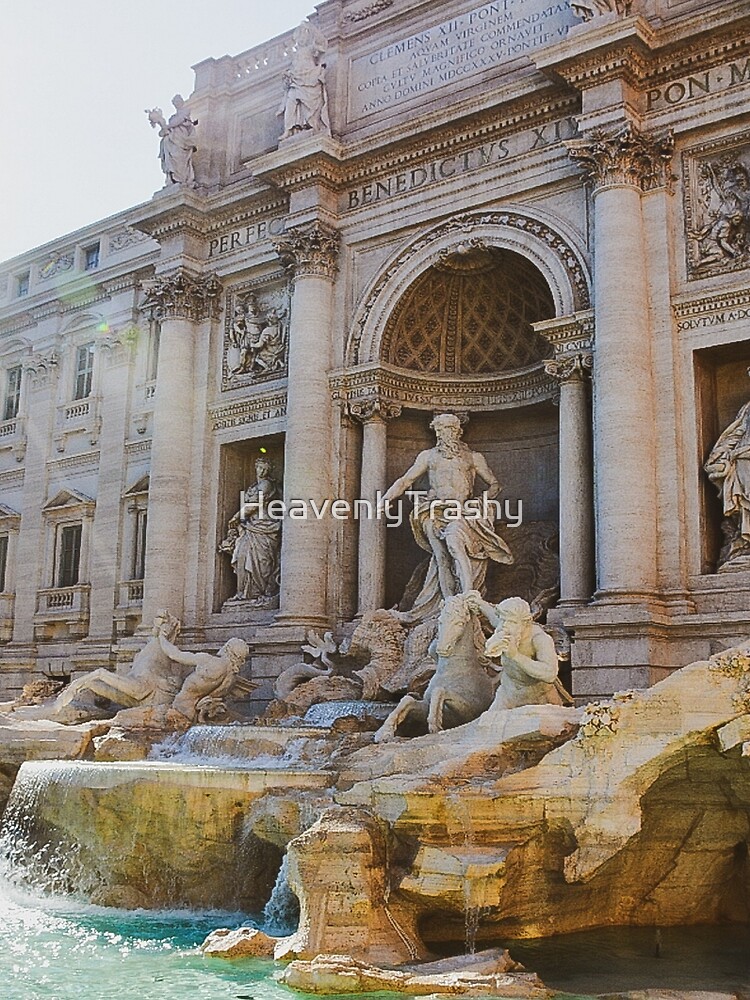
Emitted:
pixel 542 242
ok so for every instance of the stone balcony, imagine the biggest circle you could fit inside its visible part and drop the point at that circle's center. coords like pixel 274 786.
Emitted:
pixel 79 416
pixel 13 435
pixel 127 614
pixel 62 612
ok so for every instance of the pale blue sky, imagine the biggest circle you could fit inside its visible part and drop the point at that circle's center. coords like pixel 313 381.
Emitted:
pixel 75 76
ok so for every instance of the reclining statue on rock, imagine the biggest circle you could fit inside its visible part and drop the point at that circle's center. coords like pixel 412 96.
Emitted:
pixel 156 679
pixel 527 655
pixel 461 687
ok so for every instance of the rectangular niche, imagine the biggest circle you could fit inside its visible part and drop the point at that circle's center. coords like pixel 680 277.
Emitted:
pixel 722 387
pixel 237 473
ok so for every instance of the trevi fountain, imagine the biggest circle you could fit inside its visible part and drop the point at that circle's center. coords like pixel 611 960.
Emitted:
pixel 460 271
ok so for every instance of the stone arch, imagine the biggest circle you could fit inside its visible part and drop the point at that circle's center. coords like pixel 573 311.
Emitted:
pixel 554 254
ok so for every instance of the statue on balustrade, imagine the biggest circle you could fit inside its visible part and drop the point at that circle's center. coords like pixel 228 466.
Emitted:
pixel 446 520
pixel 305 103
pixel 728 468
pixel 177 142
pixel 254 541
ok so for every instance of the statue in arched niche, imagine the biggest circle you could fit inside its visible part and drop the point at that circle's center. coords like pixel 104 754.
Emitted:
pixel 447 521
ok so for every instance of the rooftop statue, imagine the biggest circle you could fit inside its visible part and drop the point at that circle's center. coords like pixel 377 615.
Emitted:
pixel 305 103
pixel 177 142
pixel 460 546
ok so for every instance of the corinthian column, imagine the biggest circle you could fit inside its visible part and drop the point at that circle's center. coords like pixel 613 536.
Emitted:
pixel 309 253
pixel 576 483
pixel 181 303
pixel 621 165
pixel 373 414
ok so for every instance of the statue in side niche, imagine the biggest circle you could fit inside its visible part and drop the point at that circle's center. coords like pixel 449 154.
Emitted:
pixel 446 521
pixel 305 103
pixel 728 468
pixel 177 142
pixel 527 656
pixel 254 541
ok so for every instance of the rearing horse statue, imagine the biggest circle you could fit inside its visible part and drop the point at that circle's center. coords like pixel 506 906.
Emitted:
pixel 460 689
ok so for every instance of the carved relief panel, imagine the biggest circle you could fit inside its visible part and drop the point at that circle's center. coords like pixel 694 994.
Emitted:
pixel 256 334
pixel 717 206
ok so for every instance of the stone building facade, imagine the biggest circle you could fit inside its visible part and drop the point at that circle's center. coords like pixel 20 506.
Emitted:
pixel 533 214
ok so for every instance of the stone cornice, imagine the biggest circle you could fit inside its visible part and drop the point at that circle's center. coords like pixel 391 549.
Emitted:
pixel 85 461
pixel 569 335
pixel 389 385
pixel 335 167
pixel 702 304
pixel 630 49
pixel 181 295
pixel 624 156
pixel 311 249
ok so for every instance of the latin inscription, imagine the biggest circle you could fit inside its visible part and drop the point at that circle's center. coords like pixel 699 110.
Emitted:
pixel 690 88
pixel 237 239
pixel 474 42
pixel 433 171
pixel 717 319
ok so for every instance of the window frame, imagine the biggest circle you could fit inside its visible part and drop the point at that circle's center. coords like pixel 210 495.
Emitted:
pixel 12 392
pixel 60 532
pixel 87 372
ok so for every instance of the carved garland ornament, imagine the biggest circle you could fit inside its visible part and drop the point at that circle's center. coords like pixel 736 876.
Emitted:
pixel 309 250
pixel 182 296
pixel 587 10
pixel 463 225
pixel 364 12
pixel 624 156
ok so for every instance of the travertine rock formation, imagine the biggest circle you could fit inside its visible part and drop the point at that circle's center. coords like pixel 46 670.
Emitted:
pixel 338 869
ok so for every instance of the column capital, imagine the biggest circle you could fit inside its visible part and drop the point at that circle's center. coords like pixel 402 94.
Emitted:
pixel 365 410
pixel 570 367
pixel 181 295
pixel 624 156
pixel 309 250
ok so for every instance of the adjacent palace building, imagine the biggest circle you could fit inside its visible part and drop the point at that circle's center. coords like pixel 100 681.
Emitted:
pixel 534 214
